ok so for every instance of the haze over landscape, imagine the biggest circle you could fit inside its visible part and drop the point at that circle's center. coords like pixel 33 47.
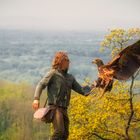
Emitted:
pixel 31 31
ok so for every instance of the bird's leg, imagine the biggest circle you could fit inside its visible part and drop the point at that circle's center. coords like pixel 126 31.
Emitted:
pixel 105 89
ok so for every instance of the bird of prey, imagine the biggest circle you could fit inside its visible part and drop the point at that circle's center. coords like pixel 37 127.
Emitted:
pixel 122 67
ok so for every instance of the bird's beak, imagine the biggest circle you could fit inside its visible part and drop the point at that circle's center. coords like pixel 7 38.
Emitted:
pixel 93 61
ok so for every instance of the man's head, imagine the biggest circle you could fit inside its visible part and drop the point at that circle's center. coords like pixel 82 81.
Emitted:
pixel 61 61
pixel 98 62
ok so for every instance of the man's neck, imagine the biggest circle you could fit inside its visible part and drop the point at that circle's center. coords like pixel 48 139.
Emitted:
pixel 64 72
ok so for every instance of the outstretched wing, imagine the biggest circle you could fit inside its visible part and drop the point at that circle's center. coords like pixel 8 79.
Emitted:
pixel 126 63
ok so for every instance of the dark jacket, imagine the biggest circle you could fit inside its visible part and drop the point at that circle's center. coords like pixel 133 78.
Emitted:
pixel 59 85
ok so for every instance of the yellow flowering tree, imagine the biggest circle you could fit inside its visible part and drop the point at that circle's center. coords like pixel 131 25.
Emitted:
pixel 117 114
pixel 105 118
pixel 119 38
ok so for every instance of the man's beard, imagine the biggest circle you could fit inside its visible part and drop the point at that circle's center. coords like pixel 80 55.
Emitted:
pixel 65 71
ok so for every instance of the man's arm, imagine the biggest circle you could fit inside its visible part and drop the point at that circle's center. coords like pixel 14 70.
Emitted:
pixel 79 89
pixel 42 84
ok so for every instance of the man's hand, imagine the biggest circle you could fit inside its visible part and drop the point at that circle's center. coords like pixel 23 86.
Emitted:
pixel 35 104
pixel 87 90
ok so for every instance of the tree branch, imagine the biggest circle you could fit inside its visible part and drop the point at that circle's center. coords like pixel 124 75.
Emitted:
pixel 137 73
pixel 110 131
pixel 131 109
pixel 97 135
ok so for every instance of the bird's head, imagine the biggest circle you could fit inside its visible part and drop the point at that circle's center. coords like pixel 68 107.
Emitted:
pixel 98 62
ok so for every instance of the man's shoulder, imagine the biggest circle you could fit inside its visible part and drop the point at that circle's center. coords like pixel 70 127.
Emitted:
pixel 70 75
pixel 50 72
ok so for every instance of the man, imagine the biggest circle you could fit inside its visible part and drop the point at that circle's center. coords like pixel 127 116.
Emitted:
pixel 59 84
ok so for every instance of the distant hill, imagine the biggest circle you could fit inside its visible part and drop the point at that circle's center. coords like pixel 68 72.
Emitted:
pixel 27 55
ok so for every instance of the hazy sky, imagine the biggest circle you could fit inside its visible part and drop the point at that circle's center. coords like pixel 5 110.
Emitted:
pixel 69 14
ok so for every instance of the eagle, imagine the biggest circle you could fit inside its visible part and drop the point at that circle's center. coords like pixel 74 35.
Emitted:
pixel 122 67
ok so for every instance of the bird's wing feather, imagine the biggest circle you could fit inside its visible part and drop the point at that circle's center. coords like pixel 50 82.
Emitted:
pixel 126 63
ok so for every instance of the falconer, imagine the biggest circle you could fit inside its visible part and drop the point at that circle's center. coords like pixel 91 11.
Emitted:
pixel 59 84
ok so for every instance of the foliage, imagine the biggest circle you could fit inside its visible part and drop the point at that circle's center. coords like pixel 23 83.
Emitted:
pixel 105 118
pixel 89 119
pixel 119 38
pixel 116 115
pixel 16 113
